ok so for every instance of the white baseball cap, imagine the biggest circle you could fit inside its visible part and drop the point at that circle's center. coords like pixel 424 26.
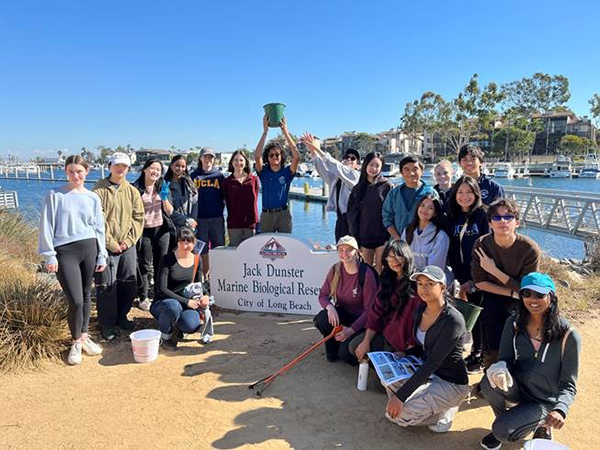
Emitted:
pixel 119 158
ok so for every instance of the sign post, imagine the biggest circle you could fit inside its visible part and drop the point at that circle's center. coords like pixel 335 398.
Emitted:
pixel 269 272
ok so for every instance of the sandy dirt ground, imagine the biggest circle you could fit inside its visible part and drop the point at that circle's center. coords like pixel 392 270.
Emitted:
pixel 198 397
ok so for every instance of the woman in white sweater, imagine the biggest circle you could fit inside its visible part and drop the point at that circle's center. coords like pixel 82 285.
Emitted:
pixel 72 241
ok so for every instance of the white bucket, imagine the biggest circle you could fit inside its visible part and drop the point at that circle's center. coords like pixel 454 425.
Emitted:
pixel 144 344
pixel 544 444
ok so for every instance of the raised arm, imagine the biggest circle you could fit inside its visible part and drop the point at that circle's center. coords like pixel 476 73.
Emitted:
pixel 292 145
pixel 261 145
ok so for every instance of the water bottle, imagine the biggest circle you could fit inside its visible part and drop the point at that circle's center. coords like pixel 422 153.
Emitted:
pixel 363 376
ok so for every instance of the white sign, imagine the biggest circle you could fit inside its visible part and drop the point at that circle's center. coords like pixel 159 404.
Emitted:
pixel 269 272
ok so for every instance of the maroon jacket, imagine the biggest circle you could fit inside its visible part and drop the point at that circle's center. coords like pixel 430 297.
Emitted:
pixel 397 328
pixel 241 200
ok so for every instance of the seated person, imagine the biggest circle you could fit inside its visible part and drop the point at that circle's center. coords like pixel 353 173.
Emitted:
pixel 171 308
pixel 345 297
pixel 534 382
pixel 390 318
pixel 431 396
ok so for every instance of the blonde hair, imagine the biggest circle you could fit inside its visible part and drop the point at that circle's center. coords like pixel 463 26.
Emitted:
pixel 444 162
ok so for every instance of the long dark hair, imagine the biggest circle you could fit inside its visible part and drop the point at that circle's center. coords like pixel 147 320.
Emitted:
pixel 141 181
pixel 270 146
pixel 390 283
pixel 363 181
pixel 185 177
pixel 437 220
pixel 454 209
pixel 246 168
pixel 552 327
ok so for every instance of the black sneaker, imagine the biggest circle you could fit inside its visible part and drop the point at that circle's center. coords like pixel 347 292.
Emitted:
pixel 169 345
pixel 543 433
pixel 490 442
pixel 474 363
pixel 126 325
pixel 108 333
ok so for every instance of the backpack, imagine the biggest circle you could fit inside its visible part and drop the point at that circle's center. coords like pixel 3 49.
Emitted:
pixel 362 274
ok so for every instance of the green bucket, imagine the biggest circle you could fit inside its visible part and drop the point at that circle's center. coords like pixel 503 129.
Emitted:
pixel 274 112
pixel 469 311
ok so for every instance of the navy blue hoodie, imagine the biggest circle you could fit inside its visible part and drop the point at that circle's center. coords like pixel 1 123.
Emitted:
pixel 490 190
pixel 210 197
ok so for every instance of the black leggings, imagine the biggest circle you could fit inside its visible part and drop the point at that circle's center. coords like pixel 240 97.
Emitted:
pixel 76 264
pixel 334 349
pixel 153 245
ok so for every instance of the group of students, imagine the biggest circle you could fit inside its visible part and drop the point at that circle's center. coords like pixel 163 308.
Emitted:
pixel 466 231
pixel 400 250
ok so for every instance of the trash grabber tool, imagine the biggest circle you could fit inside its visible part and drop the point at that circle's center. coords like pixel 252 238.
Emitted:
pixel 262 384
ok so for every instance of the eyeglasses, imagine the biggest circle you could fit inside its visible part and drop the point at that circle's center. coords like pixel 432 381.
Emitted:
pixel 392 257
pixel 350 157
pixel 526 293
pixel 274 155
pixel 506 218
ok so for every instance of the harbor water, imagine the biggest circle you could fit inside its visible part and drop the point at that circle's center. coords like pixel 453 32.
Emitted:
pixel 315 226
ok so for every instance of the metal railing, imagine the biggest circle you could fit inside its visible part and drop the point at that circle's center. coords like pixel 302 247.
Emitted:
pixel 569 213
pixel 9 200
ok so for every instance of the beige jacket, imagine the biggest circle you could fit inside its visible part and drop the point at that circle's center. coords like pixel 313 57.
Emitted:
pixel 123 213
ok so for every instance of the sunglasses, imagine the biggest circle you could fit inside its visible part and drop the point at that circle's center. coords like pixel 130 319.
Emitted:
pixel 350 157
pixel 274 155
pixel 526 293
pixel 506 218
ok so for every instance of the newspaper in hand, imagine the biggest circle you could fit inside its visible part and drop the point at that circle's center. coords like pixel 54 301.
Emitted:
pixel 391 368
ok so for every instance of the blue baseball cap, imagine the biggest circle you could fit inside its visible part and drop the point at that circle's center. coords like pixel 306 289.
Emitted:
pixel 538 282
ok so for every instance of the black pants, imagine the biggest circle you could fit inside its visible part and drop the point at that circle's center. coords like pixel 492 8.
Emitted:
pixel 76 264
pixel 116 287
pixel 153 245
pixel 334 349
pixel 496 310
pixel 341 227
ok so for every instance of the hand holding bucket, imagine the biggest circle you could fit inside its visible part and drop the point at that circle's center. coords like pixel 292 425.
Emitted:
pixel 275 112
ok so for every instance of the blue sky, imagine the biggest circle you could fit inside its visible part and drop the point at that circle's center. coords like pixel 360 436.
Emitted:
pixel 193 73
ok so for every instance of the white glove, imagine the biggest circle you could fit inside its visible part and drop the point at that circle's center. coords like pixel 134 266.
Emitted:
pixel 499 376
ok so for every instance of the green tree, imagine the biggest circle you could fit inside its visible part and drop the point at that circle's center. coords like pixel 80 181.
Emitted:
pixel 595 111
pixel 192 157
pixel 88 155
pixel 365 142
pixel 574 145
pixel 104 153
pixel 426 115
pixel 538 94
pixel 513 141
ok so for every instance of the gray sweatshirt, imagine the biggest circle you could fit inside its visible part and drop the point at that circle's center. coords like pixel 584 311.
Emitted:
pixel 427 250
pixel 545 376
pixel 70 216
pixel 331 170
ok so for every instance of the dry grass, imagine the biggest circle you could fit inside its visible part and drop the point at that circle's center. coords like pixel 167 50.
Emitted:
pixel 18 237
pixel 581 296
pixel 32 323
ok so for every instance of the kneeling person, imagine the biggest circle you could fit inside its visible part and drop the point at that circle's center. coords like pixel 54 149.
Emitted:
pixel 431 396
pixel 170 307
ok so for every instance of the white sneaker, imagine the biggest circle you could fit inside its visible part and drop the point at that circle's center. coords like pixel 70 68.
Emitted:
pixel 144 305
pixel 75 354
pixel 205 339
pixel 444 423
pixel 90 347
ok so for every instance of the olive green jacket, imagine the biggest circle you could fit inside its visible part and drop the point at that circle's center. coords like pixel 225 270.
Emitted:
pixel 123 213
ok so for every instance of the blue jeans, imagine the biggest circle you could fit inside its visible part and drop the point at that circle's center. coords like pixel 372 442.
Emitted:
pixel 171 313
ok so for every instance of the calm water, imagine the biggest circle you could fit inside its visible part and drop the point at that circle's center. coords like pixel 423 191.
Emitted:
pixel 314 225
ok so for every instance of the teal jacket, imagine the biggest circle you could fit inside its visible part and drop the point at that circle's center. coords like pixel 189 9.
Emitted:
pixel 396 212
pixel 545 376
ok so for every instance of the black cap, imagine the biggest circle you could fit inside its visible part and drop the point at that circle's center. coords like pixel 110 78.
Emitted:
pixel 351 151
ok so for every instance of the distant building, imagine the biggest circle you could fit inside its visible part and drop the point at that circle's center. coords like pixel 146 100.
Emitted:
pixel 558 124
pixel 394 141
pixel 141 156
